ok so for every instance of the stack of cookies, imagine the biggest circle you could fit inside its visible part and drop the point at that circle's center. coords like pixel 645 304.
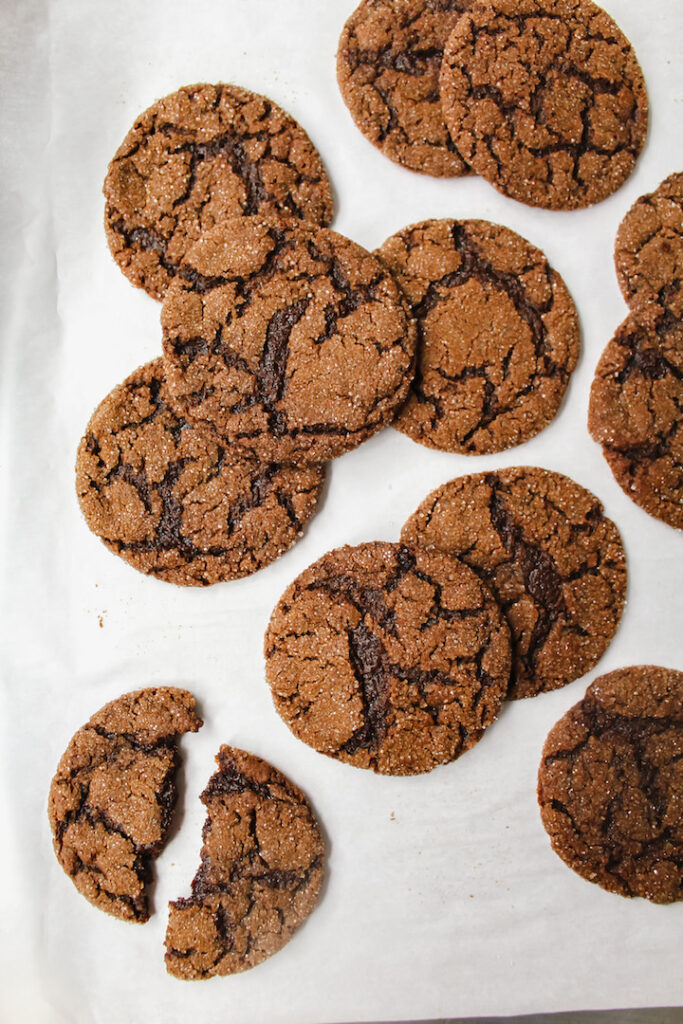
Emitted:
pixel 636 403
pixel 545 99
pixel 284 344
pixel 396 657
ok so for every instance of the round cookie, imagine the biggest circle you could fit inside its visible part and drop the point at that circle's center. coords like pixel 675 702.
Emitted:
pixel 260 873
pixel 196 157
pixel 498 335
pixel 636 413
pixel 648 252
pixel 388 658
pixel 545 99
pixel 287 340
pixel 112 797
pixel 549 554
pixel 610 784
pixel 173 501
pixel 388 65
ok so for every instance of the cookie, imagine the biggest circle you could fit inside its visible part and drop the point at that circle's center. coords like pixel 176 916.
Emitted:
pixel 388 65
pixel 195 158
pixel 388 658
pixel 648 252
pixel 498 335
pixel 545 99
pixel 610 784
pixel 551 557
pixel 287 340
pixel 260 873
pixel 173 501
pixel 112 797
pixel 636 414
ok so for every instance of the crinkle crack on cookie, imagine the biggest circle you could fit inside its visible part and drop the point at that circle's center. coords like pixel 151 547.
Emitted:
pixel 193 159
pixel 551 557
pixel 388 658
pixel 388 66
pixel 498 335
pixel 545 99
pixel 610 784
pixel 636 414
pixel 292 342
pixel 260 875
pixel 112 797
pixel 173 501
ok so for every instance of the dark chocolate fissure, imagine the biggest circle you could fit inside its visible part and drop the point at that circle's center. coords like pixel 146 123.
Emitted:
pixel 542 579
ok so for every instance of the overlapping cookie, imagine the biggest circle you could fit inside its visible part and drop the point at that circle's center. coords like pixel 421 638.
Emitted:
pixel 194 158
pixel 388 657
pixel 176 503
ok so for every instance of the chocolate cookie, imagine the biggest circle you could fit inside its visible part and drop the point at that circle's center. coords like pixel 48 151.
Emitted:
pixel 260 872
pixel 173 501
pixel 388 658
pixel 610 784
pixel 388 65
pixel 550 556
pixel 498 335
pixel 545 99
pixel 636 413
pixel 113 795
pixel 649 251
pixel 205 153
pixel 287 340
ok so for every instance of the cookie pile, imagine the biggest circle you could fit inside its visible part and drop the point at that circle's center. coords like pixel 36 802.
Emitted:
pixel 545 99
pixel 284 344
pixel 110 807
pixel 397 657
pixel 636 402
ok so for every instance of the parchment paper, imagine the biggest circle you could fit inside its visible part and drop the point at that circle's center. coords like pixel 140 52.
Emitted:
pixel 442 897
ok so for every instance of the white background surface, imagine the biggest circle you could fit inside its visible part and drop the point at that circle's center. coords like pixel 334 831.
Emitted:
pixel 442 897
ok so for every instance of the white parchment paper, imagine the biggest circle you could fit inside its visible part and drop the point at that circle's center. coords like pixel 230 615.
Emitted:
pixel 442 896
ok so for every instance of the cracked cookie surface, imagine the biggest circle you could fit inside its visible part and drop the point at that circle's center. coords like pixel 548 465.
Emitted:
pixel 545 99
pixel 636 414
pixel 113 794
pixel 195 158
pixel 173 501
pixel 260 874
pixel 610 784
pixel 388 658
pixel 290 341
pixel 648 252
pixel 498 335
pixel 549 554
pixel 388 65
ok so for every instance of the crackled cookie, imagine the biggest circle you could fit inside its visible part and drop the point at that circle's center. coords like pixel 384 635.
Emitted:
pixel 498 335
pixel 610 784
pixel 549 554
pixel 173 501
pixel 636 413
pixel 195 158
pixel 545 99
pixel 113 795
pixel 388 658
pixel 648 252
pixel 287 340
pixel 388 65
pixel 260 873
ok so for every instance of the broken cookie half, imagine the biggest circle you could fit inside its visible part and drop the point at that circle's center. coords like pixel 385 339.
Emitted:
pixel 113 795
pixel 260 873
